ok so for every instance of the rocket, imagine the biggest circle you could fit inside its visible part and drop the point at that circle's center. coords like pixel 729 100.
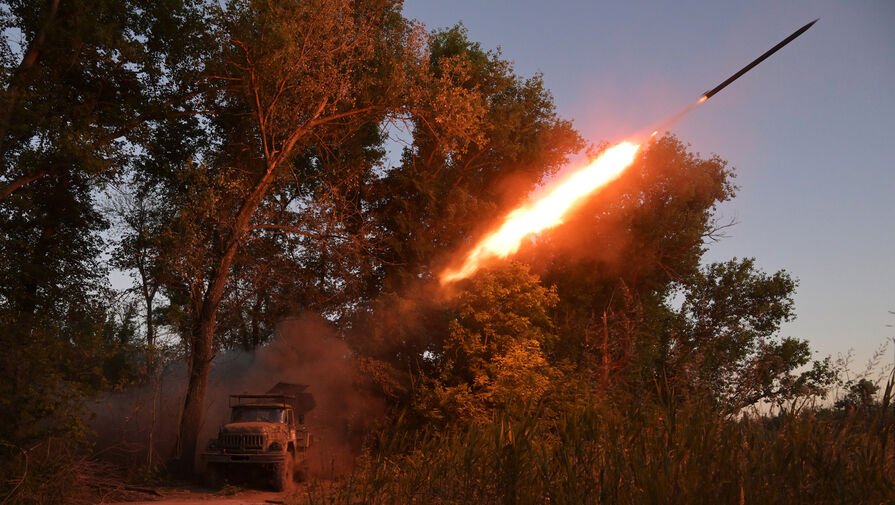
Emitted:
pixel 708 94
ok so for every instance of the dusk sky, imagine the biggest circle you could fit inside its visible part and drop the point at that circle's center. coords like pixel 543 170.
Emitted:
pixel 811 131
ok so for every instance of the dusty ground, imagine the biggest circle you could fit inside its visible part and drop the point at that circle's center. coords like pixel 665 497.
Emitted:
pixel 197 495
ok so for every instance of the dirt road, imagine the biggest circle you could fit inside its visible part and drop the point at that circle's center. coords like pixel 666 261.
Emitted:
pixel 195 495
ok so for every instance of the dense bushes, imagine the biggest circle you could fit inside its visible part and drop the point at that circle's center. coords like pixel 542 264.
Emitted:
pixel 633 451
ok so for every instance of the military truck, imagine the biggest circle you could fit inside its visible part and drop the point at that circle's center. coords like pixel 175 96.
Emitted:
pixel 266 436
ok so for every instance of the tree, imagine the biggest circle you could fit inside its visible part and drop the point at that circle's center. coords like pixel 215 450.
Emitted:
pixel 623 261
pixel 444 190
pixel 725 340
pixel 859 396
pixel 294 81
pixel 81 82
pixel 496 353
pixel 442 193
pixel 85 79
pixel 618 259
pixel 140 218
pixel 52 305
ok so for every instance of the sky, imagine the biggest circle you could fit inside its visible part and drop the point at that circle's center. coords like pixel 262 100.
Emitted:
pixel 811 131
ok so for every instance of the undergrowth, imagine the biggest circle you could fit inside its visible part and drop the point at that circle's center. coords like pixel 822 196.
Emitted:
pixel 625 453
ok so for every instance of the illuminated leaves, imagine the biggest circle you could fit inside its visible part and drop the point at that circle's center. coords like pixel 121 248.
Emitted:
pixel 496 354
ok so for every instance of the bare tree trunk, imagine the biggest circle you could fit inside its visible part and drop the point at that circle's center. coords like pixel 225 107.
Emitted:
pixel 150 337
pixel 156 392
pixel 256 323
pixel 150 326
pixel 202 337
pixel 194 402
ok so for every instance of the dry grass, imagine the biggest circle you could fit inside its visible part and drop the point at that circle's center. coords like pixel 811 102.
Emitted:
pixel 634 454
pixel 57 471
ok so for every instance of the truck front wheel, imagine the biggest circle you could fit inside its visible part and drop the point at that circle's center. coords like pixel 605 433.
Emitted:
pixel 213 475
pixel 283 473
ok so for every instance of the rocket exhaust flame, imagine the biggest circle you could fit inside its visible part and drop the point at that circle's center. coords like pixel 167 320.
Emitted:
pixel 561 197
pixel 549 210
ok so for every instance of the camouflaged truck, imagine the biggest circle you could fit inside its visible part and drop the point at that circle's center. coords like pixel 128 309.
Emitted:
pixel 266 436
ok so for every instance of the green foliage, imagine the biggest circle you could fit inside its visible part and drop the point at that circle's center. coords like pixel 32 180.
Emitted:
pixel 84 78
pixel 725 340
pixel 495 354
pixel 501 308
pixel 447 186
pixel 52 307
pixel 78 83
pixel 442 193
pixel 618 258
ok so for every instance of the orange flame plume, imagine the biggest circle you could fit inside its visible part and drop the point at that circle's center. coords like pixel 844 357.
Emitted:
pixel 547 211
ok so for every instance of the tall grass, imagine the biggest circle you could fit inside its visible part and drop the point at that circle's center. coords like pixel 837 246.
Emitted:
pixel 625 453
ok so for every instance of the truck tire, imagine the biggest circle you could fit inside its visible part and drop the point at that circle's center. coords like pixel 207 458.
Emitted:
pixel 283 474
pixel 300 474
pixel 213 475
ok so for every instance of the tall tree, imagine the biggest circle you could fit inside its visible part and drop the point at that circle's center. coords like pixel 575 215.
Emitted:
pixel 616 261
pixel 293 81
pixel 78 78
pixel 443 192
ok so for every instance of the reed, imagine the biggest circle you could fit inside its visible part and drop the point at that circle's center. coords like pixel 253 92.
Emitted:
pixel 634 452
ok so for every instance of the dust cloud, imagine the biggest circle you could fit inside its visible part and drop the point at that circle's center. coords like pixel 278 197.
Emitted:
pixel 139 425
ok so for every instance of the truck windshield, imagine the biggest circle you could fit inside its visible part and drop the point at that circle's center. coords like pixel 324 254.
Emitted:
pixel 263 414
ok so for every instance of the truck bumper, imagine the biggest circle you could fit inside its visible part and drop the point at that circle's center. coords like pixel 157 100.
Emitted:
pixel 254 458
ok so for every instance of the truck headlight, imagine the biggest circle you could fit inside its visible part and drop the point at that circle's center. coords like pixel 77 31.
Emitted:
pixel 275 446
pixel 213 445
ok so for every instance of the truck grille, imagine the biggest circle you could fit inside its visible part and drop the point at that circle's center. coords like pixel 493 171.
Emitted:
pixel 232 442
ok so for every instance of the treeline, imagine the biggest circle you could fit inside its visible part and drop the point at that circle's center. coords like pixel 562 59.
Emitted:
pixel 233 159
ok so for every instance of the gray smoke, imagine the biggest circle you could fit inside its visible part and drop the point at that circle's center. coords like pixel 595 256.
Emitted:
pixel 305 350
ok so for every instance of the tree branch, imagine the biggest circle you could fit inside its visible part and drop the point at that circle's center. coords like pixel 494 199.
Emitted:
pixel 18 183
pixel 287 229
pixel 157 113
pixel 14 90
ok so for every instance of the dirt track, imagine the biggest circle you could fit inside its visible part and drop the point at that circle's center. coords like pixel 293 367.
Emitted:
pixel 196 495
